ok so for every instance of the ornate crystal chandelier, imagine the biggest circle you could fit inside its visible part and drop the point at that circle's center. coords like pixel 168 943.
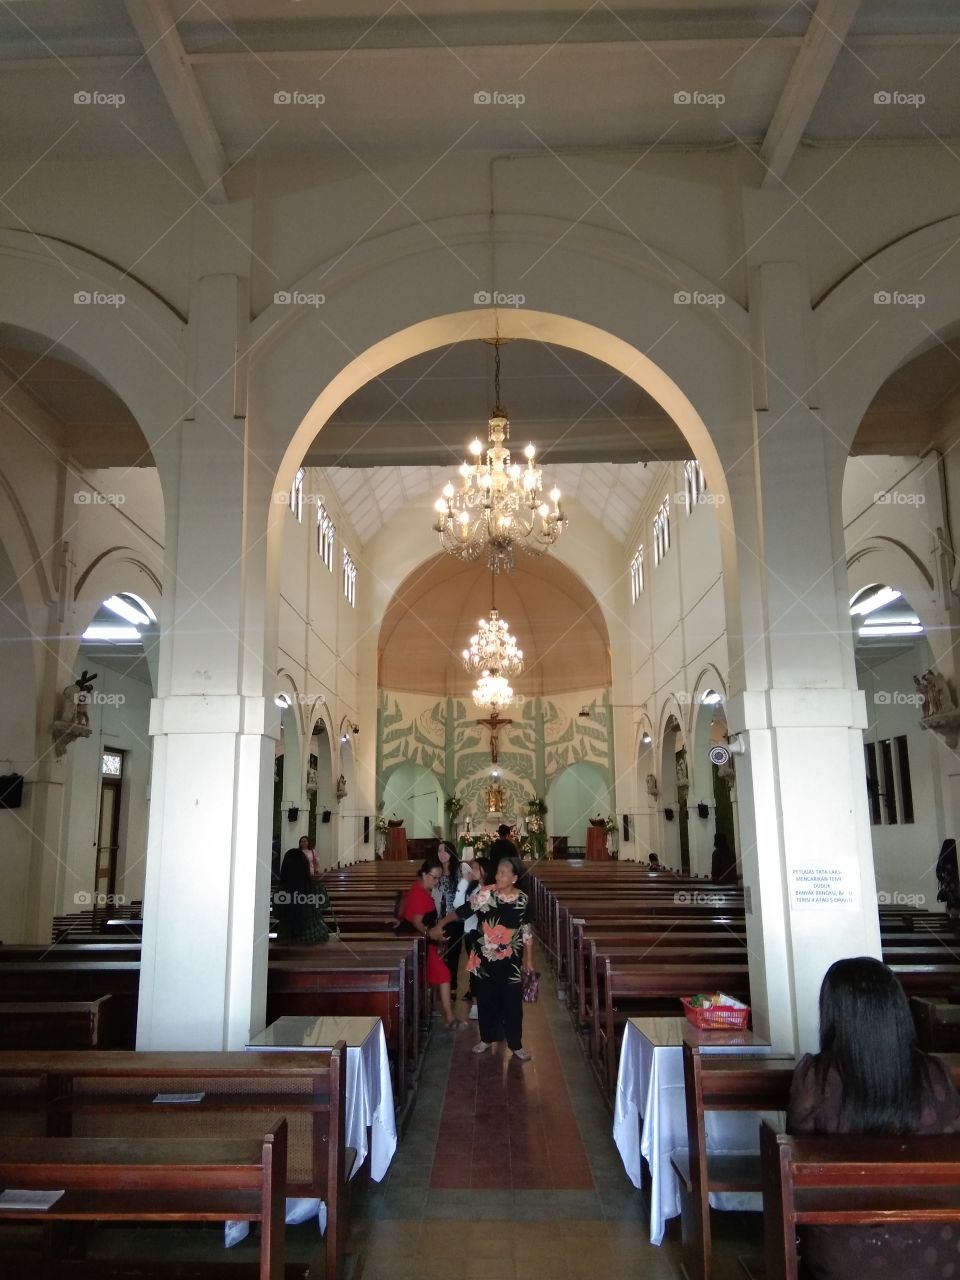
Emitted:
pixel 493 655
pixel 493 690
pixel 500 504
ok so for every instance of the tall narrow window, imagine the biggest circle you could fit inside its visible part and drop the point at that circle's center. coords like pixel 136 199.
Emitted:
pixel 694 483
pixel 888 784
pixel 905 786
pixel 349 578
pixel 661 531
pixel 296 494
pixel 326 533
pixel 873 781
pixel 636 575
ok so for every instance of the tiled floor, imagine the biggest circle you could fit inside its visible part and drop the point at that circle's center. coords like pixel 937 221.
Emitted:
pixel 509 1170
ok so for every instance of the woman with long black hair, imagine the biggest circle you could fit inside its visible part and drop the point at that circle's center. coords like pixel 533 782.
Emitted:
pixel 870 1077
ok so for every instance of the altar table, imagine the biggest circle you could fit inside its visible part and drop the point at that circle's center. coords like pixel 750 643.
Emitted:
pixel 650 1086
pixel 369 1095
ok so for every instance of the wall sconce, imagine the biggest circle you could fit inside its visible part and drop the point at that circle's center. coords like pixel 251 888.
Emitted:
pixel 354 729
pixel 282 700
pixel 293 813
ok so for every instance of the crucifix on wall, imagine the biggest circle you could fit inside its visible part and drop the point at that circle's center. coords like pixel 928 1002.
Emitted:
pixel 494 724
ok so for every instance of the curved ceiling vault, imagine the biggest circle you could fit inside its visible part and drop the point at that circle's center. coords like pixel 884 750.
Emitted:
pixel 555 617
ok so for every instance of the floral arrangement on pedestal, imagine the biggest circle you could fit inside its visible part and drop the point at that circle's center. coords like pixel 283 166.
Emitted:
pixel 610 824
pixel 451 807
pixel 536 833
pixel 380 833
pixel 481 842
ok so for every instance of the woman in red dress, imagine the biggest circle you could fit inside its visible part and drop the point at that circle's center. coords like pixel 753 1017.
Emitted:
pixel 419 910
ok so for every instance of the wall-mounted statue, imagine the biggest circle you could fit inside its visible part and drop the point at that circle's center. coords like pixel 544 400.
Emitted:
pixel 652 787
pixel 934 692
pixel 73 713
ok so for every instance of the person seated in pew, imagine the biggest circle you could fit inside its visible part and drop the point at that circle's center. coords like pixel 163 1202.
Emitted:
pixel 419 911
pixel 300 902
pixel 870 1077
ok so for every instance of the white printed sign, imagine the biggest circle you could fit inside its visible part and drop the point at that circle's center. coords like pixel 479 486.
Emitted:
pixel 819 886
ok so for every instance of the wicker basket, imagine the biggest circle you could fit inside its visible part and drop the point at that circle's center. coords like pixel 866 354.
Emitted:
pixel 718 1017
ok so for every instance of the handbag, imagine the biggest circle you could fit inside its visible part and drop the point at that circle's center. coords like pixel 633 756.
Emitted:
pixel 530 986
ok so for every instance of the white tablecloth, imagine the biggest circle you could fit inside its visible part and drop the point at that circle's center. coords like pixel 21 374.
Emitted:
pixel 650 1087
pixel 369 1100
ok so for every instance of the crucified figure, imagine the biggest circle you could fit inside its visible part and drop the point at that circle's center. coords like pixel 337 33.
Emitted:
pixel 494 724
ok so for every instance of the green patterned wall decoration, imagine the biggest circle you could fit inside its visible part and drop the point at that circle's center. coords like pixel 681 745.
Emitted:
pixel 415 731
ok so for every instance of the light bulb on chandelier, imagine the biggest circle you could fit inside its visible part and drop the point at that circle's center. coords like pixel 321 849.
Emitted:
pixel 500 504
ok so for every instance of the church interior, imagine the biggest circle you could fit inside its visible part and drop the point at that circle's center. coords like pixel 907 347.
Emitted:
pixel 419 419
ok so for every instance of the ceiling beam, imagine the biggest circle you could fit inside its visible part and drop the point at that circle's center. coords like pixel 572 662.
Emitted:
pixel 157 29
pixel 812 66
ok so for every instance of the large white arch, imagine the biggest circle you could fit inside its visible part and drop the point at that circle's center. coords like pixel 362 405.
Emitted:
pixel 860 342
pixel 136 346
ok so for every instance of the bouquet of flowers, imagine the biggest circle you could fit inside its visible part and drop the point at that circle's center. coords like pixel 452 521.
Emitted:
pixel 452 805
pixel 535 825
pixel 381 824
pixel 481 843
pixel 611 824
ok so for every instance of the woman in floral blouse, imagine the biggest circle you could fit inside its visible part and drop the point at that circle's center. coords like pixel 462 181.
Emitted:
pixel 501 945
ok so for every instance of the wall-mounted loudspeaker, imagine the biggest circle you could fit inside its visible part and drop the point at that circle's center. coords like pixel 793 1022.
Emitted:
pixel 626 826
pixel 366 828
pixel 668 814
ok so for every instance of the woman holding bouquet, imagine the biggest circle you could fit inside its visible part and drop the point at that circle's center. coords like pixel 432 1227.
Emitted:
pixel 500 946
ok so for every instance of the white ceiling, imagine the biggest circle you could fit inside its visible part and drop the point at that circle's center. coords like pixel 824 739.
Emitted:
pixel 402 78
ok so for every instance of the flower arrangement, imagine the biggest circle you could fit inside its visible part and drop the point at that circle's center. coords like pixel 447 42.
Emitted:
pixel 481 843
pixel 537 807
pixel 381 824
pixel 611 824
pixel 526 847
pixel 535 825
pixel 452 806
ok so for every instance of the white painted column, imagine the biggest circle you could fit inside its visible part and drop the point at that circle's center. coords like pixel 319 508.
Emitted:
pixel 206 902
pixel 802 799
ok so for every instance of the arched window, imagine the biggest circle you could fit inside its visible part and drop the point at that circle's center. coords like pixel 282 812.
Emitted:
pixel 296 494
pixel 326 533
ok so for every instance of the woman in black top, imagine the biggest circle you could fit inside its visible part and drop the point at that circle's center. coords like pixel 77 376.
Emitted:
pixel 870 1077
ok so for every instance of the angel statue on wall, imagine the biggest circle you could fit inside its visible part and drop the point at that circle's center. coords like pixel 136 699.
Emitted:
pixel 73 714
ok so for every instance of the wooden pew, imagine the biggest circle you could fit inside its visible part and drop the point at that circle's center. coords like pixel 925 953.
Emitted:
pixel 937 1025
pixel 315 986
pixel 850 1181
pixel 133 1179
pixel 51 1024
pixel 80 980
pixel 720 1083
pixel 106 1094
pixel 726 1082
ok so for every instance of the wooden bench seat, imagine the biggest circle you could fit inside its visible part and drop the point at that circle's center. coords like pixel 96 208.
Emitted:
pixel 105 1095
pixel 849 1181
pixel 137 1179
